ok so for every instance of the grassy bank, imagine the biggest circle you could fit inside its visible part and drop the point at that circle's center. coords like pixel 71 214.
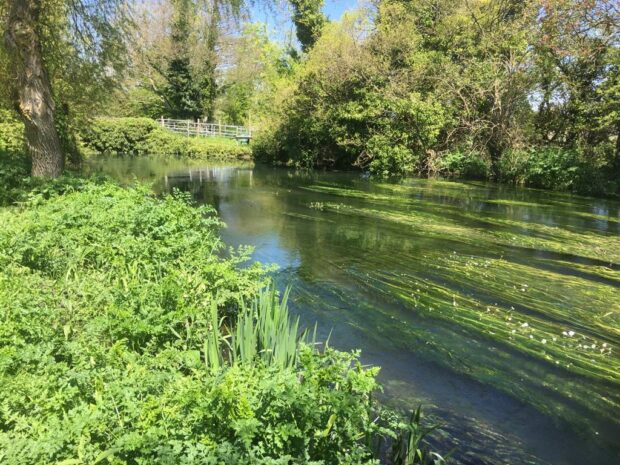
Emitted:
pixel 128 339
pixel 143 136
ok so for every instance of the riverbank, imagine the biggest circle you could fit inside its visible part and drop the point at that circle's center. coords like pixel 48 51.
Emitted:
pixel 549 169
pixel 143 136
pixel 129 335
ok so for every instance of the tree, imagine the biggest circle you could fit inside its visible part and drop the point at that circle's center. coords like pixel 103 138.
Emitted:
pixel 62 54
pixel 186 69
pixel 577 65
pixel 182 93
pixel 250 76
pixel 34 93
pixel 309 21
pixel 209 81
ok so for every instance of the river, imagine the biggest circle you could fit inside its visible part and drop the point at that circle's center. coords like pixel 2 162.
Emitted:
pixel 496 308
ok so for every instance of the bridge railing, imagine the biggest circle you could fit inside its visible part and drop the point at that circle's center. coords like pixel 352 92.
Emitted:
pixel 199 128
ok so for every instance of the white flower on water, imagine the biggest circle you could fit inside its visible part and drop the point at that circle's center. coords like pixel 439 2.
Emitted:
pixel 524 325
pixel 544 341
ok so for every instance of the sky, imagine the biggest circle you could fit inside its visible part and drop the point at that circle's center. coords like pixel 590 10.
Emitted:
pixel 334 8
pixel 281 26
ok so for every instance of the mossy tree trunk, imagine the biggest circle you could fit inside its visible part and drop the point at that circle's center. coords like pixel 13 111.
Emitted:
pixel 33 89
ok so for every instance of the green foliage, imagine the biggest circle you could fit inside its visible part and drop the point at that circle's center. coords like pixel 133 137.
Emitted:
pixel 553 168
pixel 14 165
pixel 558 169
pixel 13 173
pixel 11 134
pixel 143 136
pixel 182 93
pixel 110 299
pixel 401 133
pixel 309 21
pixel 337 118
pixel 267 332
pixel 126 136
pixel 577 67
pixel 137 102
pixel 458 88
pixel 407 450
pixel 258 66
pixel 466 165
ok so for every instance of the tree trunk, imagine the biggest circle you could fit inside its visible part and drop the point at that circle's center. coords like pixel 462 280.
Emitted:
pixel 209 86
pixel 34 93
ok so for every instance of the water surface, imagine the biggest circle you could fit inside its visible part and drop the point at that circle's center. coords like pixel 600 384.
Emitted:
pixel 497 308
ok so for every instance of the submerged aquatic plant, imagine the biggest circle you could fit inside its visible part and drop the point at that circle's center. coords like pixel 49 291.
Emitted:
pixel 528 304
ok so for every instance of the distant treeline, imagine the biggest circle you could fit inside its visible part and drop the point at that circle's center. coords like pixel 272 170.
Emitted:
pixel 520 91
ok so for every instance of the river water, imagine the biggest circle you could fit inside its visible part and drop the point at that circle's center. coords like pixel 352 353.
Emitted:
pixel 496 308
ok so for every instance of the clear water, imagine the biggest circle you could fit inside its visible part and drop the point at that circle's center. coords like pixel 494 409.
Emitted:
pixel 496 308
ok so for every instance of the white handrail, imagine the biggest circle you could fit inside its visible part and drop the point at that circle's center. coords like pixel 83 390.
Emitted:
pixel 198 128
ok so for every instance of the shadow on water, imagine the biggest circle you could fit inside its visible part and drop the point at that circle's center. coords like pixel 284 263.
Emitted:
pixel 497 308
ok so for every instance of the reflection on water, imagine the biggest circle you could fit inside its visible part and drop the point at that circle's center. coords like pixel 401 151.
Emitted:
pixel 497 308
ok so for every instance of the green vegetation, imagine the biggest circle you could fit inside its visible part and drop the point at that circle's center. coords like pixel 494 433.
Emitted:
pixel 519 92
pixel 143 136
pixel 137 343
pixel 13 165
pixel 132 335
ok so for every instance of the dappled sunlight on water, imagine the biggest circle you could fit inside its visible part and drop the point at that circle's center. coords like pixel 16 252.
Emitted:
pixel 497 307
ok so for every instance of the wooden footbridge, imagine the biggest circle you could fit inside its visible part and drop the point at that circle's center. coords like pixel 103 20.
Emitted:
pixel 202 129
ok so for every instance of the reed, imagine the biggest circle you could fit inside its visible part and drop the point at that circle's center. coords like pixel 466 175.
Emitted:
pixel 263 331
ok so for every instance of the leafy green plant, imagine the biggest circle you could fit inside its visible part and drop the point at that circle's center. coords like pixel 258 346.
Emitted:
pixel 408 449
pixel 143 136
pixel 11 134
pixel 459 164
pixel 262 333
pixel 127 339
pixel 125 136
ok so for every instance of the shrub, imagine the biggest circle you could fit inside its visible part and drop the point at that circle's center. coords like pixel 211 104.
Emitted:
pixel 168 143
pixel 388 158
pixel 14 165
pixel 11 135
pixel 467 165
pixel 119 136
pixel 554 169
pixel 14 173
pixel 143 136
pixel 558 169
